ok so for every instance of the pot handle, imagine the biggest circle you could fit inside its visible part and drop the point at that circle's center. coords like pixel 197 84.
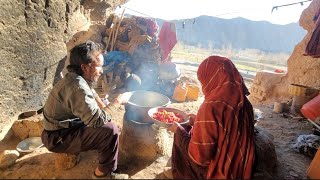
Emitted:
pixel 169 102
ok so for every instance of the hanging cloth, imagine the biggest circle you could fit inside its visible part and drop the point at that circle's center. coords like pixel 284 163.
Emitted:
pixel 313 46
pixel 167 39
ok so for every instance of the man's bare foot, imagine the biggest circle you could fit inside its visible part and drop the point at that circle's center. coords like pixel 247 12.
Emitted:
pixel 167 171
pixel 98 172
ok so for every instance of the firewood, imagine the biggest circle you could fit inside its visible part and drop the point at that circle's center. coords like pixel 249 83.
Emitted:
pixel 116 33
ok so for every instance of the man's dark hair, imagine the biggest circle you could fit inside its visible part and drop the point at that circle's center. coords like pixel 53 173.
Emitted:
pixel 82 54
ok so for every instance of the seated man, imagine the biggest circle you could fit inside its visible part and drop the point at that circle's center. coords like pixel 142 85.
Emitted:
pixel 75 118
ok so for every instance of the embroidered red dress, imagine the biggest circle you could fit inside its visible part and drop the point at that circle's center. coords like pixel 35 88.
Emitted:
pixel 220 145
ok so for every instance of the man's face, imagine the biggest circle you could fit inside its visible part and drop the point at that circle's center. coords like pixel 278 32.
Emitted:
pixel 93 71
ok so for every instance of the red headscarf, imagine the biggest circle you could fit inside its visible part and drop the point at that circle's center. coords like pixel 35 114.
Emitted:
pixel 223 133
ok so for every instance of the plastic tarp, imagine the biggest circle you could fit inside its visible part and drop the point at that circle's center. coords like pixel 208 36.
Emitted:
pixel 307 144
pixel 113 59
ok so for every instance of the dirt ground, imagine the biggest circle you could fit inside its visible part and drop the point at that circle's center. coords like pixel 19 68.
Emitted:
pixel 291 165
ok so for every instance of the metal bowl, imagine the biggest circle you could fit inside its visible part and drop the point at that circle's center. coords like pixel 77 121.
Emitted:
pixel 163 124
pixel 140 102
pixel 30 144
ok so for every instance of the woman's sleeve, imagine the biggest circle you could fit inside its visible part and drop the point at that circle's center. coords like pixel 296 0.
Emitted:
pixel 182 139
pixel 204 138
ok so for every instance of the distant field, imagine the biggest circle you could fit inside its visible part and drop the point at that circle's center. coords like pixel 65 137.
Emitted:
pixel 250 62
pixel 195 57
pixel 200 57
pixel 246 68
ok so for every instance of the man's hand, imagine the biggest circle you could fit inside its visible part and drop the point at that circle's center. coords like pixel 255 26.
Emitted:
pixel 123 98
pixel 105 100
pixel 99 101
pixel 173 128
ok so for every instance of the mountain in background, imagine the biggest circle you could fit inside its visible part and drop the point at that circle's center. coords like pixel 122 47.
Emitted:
pixel 238 33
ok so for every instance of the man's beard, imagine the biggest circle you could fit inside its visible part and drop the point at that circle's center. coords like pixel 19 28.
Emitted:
pixel 91 82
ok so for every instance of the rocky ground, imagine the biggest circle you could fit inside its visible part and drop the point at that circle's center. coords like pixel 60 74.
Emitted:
pixel 285 130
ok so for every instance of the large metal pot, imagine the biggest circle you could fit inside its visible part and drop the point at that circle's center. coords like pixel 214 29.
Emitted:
pixel 140 102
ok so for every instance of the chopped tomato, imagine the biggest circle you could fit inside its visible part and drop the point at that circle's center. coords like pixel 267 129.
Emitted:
pixel 167 117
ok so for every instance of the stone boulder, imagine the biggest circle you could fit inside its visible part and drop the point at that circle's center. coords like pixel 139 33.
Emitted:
pixel 266 157
pixel 64 161
pixel 28 127
pixel 8 158
pixel 304 70
pixel 33 35
pixel 269 86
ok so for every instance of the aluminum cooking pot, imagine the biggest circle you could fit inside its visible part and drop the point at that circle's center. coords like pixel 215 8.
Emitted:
pixel 140 102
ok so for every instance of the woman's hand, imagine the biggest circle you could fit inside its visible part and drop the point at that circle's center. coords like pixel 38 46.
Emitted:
pixel 192 118
pixel 173 128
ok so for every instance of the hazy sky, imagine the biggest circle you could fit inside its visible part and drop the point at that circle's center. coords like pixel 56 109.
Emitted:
pixel 255 10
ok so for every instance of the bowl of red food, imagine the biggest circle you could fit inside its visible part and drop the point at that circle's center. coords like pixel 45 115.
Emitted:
pixel 165 116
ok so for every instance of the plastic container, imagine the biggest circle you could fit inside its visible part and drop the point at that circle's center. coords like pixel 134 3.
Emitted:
pixel 311 109
pixel 193 91
pixel 300 90
pixel 180 93
pixel 278 107
pixel 313 170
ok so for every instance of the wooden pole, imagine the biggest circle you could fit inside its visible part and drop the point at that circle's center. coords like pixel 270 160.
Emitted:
pixel 110 37
pixel 116 33
pixel 315 124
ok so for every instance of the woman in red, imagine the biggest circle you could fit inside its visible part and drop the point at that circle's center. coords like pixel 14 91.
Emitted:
pixel 219 144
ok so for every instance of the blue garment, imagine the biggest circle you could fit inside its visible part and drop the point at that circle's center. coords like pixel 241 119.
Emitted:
pixel 112 59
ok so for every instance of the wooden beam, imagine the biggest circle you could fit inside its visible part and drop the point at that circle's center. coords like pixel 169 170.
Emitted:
pixel 315 124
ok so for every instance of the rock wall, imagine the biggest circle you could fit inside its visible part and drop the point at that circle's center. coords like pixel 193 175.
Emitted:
pixel 268 86
pixel 302 70
pixel 33 36
pixel 305 70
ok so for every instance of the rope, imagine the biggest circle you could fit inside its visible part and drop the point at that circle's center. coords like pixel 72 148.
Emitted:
pixel 276 7
pixel 137 12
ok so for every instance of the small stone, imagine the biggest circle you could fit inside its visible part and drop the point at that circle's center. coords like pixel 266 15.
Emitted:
pixel 293 174
pixel 291 133
pixel 8 158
